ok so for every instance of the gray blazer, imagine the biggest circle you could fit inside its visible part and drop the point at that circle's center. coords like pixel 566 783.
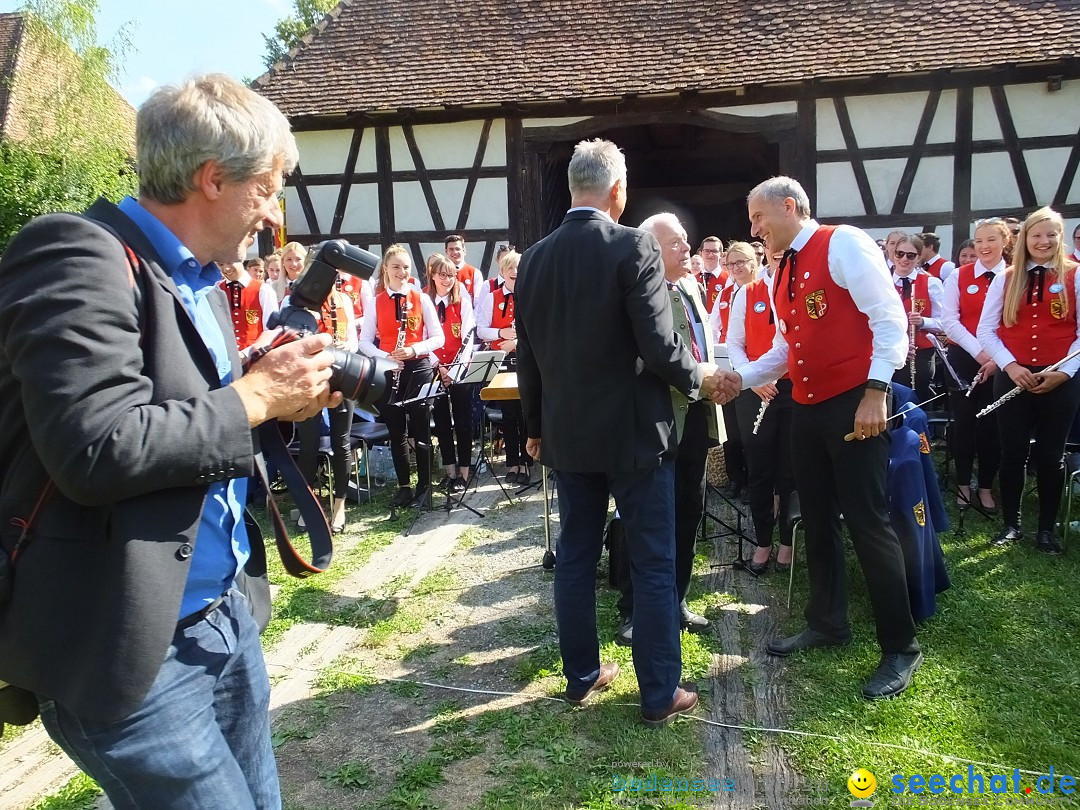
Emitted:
pixel 111 393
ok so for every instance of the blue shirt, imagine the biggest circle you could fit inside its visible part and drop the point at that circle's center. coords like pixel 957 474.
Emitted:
pixel 221 544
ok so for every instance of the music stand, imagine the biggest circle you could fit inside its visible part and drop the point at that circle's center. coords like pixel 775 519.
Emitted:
pixel 425 395
pixel 482 368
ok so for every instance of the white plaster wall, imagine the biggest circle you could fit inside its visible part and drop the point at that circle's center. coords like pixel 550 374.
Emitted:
pixel 837 191
pixel 362 209
pixel 993 184
pixel 943 129
pixel 884 177
pixel 295 221
pixel 1038 111
pixel 324 152
pixel 324 201
pixel 1046 167
pixel 984 121
pixel 552 122
pixel 932 188
pixel 828 128
pixel 489 204
pixel 759 110
pixel 453 146
pixel 886 120
pixel 410 208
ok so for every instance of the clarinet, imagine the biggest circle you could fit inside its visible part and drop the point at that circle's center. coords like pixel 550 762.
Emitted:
pixel 400 345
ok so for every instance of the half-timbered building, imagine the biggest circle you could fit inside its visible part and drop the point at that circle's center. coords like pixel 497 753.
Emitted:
pixel 417 118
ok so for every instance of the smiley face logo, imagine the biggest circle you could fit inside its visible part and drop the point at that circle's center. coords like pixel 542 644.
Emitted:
pixel 861 783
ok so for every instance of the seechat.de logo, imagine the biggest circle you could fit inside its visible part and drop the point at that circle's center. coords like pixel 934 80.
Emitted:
pixel 862 785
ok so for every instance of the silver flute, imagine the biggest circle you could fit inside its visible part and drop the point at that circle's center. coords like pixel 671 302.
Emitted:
pixel 760 415
pixel 1015 392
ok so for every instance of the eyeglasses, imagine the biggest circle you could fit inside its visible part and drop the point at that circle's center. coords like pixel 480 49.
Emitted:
pixel 709 250
pixel 906 254
pixel 738 263
pixel 445 275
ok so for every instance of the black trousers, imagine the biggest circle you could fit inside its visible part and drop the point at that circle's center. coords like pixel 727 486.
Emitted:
pixel 924 374
pixel 835 477
pixel 455 436
pixel 409 421
pixel 768 459
pixel 734 454
pixel 689 500
pixel 513 428
pixel 1047 417
pixel 308 459
pixel 973 437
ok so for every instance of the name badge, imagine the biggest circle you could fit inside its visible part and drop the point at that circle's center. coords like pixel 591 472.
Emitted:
pixel 973 289
pixel 723 305
pixel 1056 288
pixel 759 307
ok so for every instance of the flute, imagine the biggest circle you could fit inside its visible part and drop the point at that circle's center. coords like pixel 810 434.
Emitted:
pixel 1015 392
pixel 977 379
pixel 760 415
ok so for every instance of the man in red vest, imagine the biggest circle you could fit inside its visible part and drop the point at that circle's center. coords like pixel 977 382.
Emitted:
pixel 251 303
pixel 931 259
pixel 468 275
pixel 713 277
pixel 841 332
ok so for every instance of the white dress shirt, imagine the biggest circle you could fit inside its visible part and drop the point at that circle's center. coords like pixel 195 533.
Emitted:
pixel 934 289
pixel 467 320
pixel 991 321
pixel 856 265
pixel 433 337
pixel 950 310
pixel 946 269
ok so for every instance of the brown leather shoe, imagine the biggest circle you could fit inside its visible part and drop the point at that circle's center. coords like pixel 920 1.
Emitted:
pixel 608 673
pixel 686 698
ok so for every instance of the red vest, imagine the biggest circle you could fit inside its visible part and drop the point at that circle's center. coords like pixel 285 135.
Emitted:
pixel 920 292
pixel 451 327
pixel 971 292
pixel 386 322
pixel 334 317
pixel 1043 331
pixel 724 311
pixel 758 324
pixel 350 287
pixel 934 268
pixel 829 339
pixel 501 319
pixel 467 275
pixel 247 313
pixel 712 286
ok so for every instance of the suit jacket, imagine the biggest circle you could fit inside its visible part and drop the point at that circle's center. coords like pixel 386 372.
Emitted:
pixel 679 401
pixel 597 352
pixel 109 391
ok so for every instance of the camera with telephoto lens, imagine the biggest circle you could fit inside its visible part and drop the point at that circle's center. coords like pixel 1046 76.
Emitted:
pixel 359 378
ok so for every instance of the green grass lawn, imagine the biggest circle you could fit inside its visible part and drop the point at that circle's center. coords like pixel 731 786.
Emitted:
pixel 1000 684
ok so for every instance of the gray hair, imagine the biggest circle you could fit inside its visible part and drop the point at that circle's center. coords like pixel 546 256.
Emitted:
pixel 595 167
pixel 210 117
pixel 665 217
pixel 778 189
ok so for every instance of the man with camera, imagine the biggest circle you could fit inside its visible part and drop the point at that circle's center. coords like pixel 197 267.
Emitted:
pixel 127 443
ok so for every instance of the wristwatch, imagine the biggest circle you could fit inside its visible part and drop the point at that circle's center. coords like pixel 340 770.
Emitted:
pixel 878 385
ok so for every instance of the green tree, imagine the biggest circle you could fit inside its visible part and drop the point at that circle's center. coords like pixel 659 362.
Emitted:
pixel 287 32
pixel 73 135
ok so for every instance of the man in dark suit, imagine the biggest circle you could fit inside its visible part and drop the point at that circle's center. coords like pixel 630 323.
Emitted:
pixel 697 427
pixel 122 400
pixel 597 357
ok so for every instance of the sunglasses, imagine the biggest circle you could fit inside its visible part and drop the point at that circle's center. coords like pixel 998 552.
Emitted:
pixel 504 248
pixel 905 254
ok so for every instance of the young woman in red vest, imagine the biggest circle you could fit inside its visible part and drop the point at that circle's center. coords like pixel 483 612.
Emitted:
pixel 1029 322
pixel 401 324
pixel 962 305
pixel 293 256
pixel 454 309
pixel 752 329
pixel 495 324
pixel 1074 254
pixel 922 296
pixel 335 319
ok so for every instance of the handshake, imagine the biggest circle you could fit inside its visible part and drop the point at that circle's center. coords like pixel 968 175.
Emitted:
pixel 719 386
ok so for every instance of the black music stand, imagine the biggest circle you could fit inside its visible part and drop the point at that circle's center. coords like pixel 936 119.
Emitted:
pixel 426 394
pixel 725 529
pixel 482 370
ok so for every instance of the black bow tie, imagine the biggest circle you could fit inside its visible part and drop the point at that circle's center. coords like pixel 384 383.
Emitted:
pixel 926 266
pixel 988 275
pixel 507 301
pixel 442 312
pixel 788 261
pixel 1036 278
pixel 399 304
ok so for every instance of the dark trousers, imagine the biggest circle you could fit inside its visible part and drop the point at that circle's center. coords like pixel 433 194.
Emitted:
pixel 513 428
pixel 1048 417
pixel 455 436
pixel 734 456
pixel 689 501
pixel 973 437
pixel 835 477
pixel 340 461
pixel 646 502
pixel 924 374
pixel 410 421
pixel 768 459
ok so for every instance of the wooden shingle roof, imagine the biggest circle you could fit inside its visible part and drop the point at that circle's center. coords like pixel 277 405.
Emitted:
pixel 11 33
pixel 383 55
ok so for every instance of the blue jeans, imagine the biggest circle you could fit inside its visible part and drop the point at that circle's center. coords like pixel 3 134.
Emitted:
pixel 646 502
pixel 202 736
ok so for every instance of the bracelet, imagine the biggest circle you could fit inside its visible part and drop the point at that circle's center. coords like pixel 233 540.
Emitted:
pixel 878 385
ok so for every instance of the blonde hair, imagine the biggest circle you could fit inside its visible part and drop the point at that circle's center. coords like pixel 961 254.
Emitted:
pixel 442 261
pixel 395 249
pixel 1016 281
pixel 744 249
pixel 509 260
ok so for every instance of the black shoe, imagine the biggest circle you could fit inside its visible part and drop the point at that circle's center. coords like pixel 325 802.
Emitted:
pixel 694 622
pixel 757 569
pixel 1047 543
pixel 445 482
pixel 403 497
pixel 805 640
pixel 1007 536
pixel 624 636
pixel 458 485
pixel 423 497
pixel 893 675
